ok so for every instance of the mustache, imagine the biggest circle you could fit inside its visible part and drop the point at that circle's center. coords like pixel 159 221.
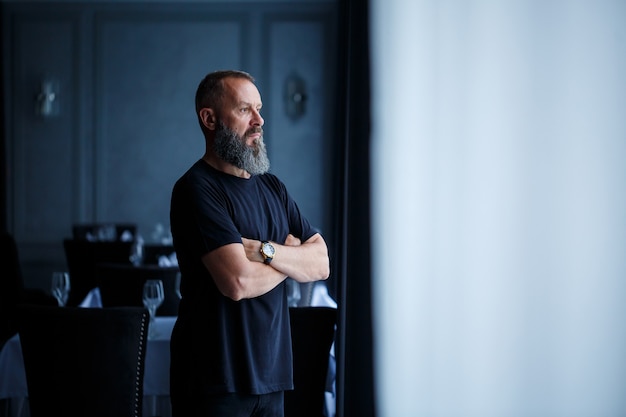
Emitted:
pixel 254 130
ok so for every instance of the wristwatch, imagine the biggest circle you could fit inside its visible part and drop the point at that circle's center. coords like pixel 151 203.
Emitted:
pixel 267 251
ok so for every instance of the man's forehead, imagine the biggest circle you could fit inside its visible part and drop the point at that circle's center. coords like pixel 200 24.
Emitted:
pixel 241 90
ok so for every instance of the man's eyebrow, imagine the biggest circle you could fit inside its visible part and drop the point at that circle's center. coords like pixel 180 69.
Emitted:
pixel 248 104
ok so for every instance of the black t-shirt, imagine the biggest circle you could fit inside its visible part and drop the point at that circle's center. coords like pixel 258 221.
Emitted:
pixel 220 345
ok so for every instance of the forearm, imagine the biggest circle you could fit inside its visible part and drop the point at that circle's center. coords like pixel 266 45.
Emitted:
pixel 260 280
pixel 237 277
pixel 304 262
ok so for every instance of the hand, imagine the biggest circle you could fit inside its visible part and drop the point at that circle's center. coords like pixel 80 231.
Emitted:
pixel 252 248
pixel 292 240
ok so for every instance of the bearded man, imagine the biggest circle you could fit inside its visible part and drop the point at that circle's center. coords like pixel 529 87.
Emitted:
pixel 238 235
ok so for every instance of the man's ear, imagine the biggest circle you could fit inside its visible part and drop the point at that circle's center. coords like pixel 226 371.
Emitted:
pixel 208 118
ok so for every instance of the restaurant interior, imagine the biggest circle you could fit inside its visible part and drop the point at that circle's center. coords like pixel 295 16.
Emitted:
pixel 97 124
pixel 464 160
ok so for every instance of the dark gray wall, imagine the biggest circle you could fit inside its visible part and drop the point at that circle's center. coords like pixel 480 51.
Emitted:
pixel 126 126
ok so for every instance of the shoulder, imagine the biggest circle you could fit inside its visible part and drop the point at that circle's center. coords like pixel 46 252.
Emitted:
pixel 199 171
pixel 199 175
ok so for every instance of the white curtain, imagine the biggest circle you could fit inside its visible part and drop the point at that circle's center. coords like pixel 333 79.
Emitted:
pixel 499 207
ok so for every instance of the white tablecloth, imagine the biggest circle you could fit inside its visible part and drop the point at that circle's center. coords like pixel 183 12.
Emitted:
pixel 157 371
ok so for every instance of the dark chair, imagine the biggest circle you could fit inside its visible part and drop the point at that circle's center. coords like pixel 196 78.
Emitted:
pixel 12 289
pixel 82 256
pixel 312 335
pixel 122 285
pixel 84 361
pixel 152 253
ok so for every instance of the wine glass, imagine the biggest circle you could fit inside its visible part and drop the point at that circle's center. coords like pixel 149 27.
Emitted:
pixel 61 287
pixel 153 297
pixel 136 251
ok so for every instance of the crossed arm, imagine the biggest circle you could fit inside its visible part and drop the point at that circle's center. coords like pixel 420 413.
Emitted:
pixel 239 271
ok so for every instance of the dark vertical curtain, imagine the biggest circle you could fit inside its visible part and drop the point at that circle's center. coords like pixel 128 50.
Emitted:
pixel 355 381
pixel 3 139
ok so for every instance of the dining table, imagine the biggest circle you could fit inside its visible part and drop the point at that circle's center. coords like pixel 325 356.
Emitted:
pixel 14 391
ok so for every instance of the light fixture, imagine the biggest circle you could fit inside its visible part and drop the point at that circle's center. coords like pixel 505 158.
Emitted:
pixel 295 96
pixel 47 101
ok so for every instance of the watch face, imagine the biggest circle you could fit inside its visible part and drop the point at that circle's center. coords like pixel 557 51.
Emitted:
pixel 268 250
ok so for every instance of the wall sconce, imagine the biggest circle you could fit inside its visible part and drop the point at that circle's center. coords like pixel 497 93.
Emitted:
pixel 295 96
pixel 47 101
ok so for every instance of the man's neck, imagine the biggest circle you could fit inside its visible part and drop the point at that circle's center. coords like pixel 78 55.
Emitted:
pixel 225 167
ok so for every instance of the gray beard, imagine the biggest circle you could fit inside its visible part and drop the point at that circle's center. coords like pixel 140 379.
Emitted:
pixel 232 148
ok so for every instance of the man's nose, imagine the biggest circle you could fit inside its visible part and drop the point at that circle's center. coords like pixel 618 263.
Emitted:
pixel 258 120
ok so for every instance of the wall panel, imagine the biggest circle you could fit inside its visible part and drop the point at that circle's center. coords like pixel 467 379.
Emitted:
pixel 43 156
pixel 296 143
pixel 146 130
pixel 46 143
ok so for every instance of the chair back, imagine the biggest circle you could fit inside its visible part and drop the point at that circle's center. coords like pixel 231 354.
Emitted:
pixel 82 256
pixel 312 335
pixel 11 286
pixel 122 285
pixel 84 361
pixel 152 253
pixel 13 292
